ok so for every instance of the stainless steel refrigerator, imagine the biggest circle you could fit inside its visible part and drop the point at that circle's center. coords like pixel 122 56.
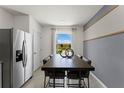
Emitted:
pixel 16 55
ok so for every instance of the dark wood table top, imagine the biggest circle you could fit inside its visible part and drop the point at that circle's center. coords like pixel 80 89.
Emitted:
pixel 59 63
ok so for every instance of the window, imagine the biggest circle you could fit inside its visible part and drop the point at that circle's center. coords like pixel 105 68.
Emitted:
pixel 63 41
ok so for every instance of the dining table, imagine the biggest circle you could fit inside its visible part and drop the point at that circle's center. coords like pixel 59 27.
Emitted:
pixel 65 64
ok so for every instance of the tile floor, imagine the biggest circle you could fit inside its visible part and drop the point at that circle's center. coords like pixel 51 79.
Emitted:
pixel 38 77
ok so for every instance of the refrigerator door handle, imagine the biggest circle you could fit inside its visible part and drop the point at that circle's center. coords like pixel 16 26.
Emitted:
pixel 25 60
pixel 23 53
pixel 26 54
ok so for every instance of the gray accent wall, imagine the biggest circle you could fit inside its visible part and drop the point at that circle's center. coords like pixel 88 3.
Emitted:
pixel 107 55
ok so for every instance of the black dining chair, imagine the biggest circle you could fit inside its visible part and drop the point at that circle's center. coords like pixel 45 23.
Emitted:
pixel 74 75
pixel 46 73
pixel 86 73
pixel 53 75
pixel 79 75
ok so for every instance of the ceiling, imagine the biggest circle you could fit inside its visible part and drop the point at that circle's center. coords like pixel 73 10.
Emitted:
pixel 59 15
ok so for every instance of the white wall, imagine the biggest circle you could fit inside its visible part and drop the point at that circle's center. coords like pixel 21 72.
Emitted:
pixel 21 22
pixel 111 23
pixel 34 25
pixel 6 19
pixel 46 41
pixel 77 36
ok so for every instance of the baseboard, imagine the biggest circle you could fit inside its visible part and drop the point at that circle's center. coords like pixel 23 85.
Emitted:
pixel 101 83
pixel 26 81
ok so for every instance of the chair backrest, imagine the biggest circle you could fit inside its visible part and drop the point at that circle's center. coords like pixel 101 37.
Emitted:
pixel 86 72
pixel 87 60
pixel 45 60
pixel 80 56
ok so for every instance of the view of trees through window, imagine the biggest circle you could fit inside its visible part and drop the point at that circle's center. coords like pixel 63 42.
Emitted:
pixel 63 41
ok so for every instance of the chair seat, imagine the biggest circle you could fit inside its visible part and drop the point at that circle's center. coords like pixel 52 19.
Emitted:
pixel 55 74
pixel 76 74
pixel 73 74
pixel 85 74
pixel 58 75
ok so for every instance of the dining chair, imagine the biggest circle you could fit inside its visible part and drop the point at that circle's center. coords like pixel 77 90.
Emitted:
pixel 46 73
pixel 86 73
pixel 53 75
pixel 79 75
pixel 74 75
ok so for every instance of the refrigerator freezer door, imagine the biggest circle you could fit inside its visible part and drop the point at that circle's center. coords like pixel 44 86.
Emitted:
pixel 18 69
pixel 28 56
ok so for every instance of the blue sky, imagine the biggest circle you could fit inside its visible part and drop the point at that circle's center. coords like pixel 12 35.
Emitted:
pixel 63 38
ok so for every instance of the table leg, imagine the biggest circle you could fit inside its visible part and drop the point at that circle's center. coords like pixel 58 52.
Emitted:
pixel 80 79
pixel 65 86
pixel 54 80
